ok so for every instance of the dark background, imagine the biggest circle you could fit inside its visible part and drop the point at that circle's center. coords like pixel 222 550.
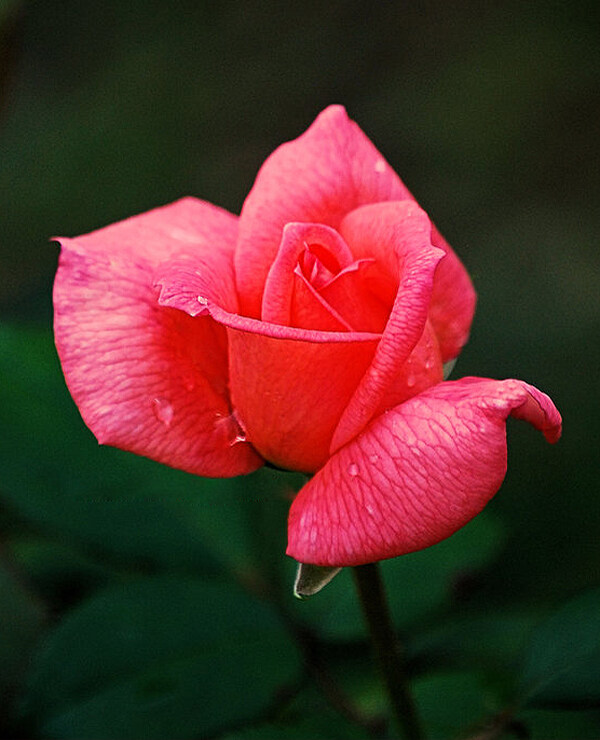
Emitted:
pixel 488 111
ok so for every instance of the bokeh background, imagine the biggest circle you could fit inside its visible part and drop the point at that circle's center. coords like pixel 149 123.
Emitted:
pixel 120 580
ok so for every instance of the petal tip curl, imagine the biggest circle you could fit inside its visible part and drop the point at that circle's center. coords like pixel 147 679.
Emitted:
pixel 416 474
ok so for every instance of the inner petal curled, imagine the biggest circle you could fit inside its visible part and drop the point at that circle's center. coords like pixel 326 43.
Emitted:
pixel 315 283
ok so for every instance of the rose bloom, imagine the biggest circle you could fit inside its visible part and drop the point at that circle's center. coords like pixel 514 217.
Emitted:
pixel 311 333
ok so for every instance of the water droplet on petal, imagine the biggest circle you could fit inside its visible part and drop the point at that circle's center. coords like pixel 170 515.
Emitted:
pixel 353 470
pixel 239 437
pixel 163 410
pixel 380 165
pixel 410 381
pixel 428 363
pixel 202 300
pixel 188 379
pixel 374 458
pixel 234 431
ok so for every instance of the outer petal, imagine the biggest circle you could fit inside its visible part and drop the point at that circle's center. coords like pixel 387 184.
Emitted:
pixel 328 171
pixel 452 302
pixel 416 474
pixel 422 370
pixel 147 379
pixel 400 229
pixel 319 177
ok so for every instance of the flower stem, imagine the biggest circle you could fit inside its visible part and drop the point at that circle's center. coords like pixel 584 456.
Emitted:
pixel 387 648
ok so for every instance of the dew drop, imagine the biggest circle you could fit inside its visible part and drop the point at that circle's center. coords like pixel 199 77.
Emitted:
pixel 374 458
pixel 380 165
pixel 239 437
pixel 428 363
pixel 232 428
pixel 202 300
pixel 239 431
pixel 353 470
pixel 410 381
pixel 163 410
pixel 188 379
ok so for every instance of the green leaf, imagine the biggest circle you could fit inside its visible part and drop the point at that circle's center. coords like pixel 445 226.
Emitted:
pixel 557 725
pixel 451 703
pixel 274 731
pixel 55 569
pixel 492 640
pixel 160 657
pixel 562 663
pixel 110 503
pixel 320 727
pixel 416 584
pixel 21 621
pixel 310 716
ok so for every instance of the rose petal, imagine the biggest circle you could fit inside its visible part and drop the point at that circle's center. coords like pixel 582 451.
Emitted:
pixel 452 302
pixel 319 177
pixel 416 475
pixel 328 171
pixel 401 229
pixel 185 227
pixel 310 310
pixel 182 287
pixel 355 295
pixel 147 379
pixel 289 395
pixel 289 299
pixel 289 386
pixel 422 369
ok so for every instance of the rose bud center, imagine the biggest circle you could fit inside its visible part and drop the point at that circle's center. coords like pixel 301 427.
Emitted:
pixel 316 283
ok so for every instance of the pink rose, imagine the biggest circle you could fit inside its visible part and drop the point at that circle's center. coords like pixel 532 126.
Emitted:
pixel 310 332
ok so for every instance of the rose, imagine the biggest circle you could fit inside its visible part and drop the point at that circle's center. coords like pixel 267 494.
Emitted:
pixel 310 333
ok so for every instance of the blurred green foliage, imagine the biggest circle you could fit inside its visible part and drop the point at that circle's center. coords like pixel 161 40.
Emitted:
pixel 137 601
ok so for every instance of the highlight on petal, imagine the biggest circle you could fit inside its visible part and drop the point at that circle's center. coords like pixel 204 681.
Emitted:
pixel 416 475
pixel 326 172
pixel 397 235
pixel 149 379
